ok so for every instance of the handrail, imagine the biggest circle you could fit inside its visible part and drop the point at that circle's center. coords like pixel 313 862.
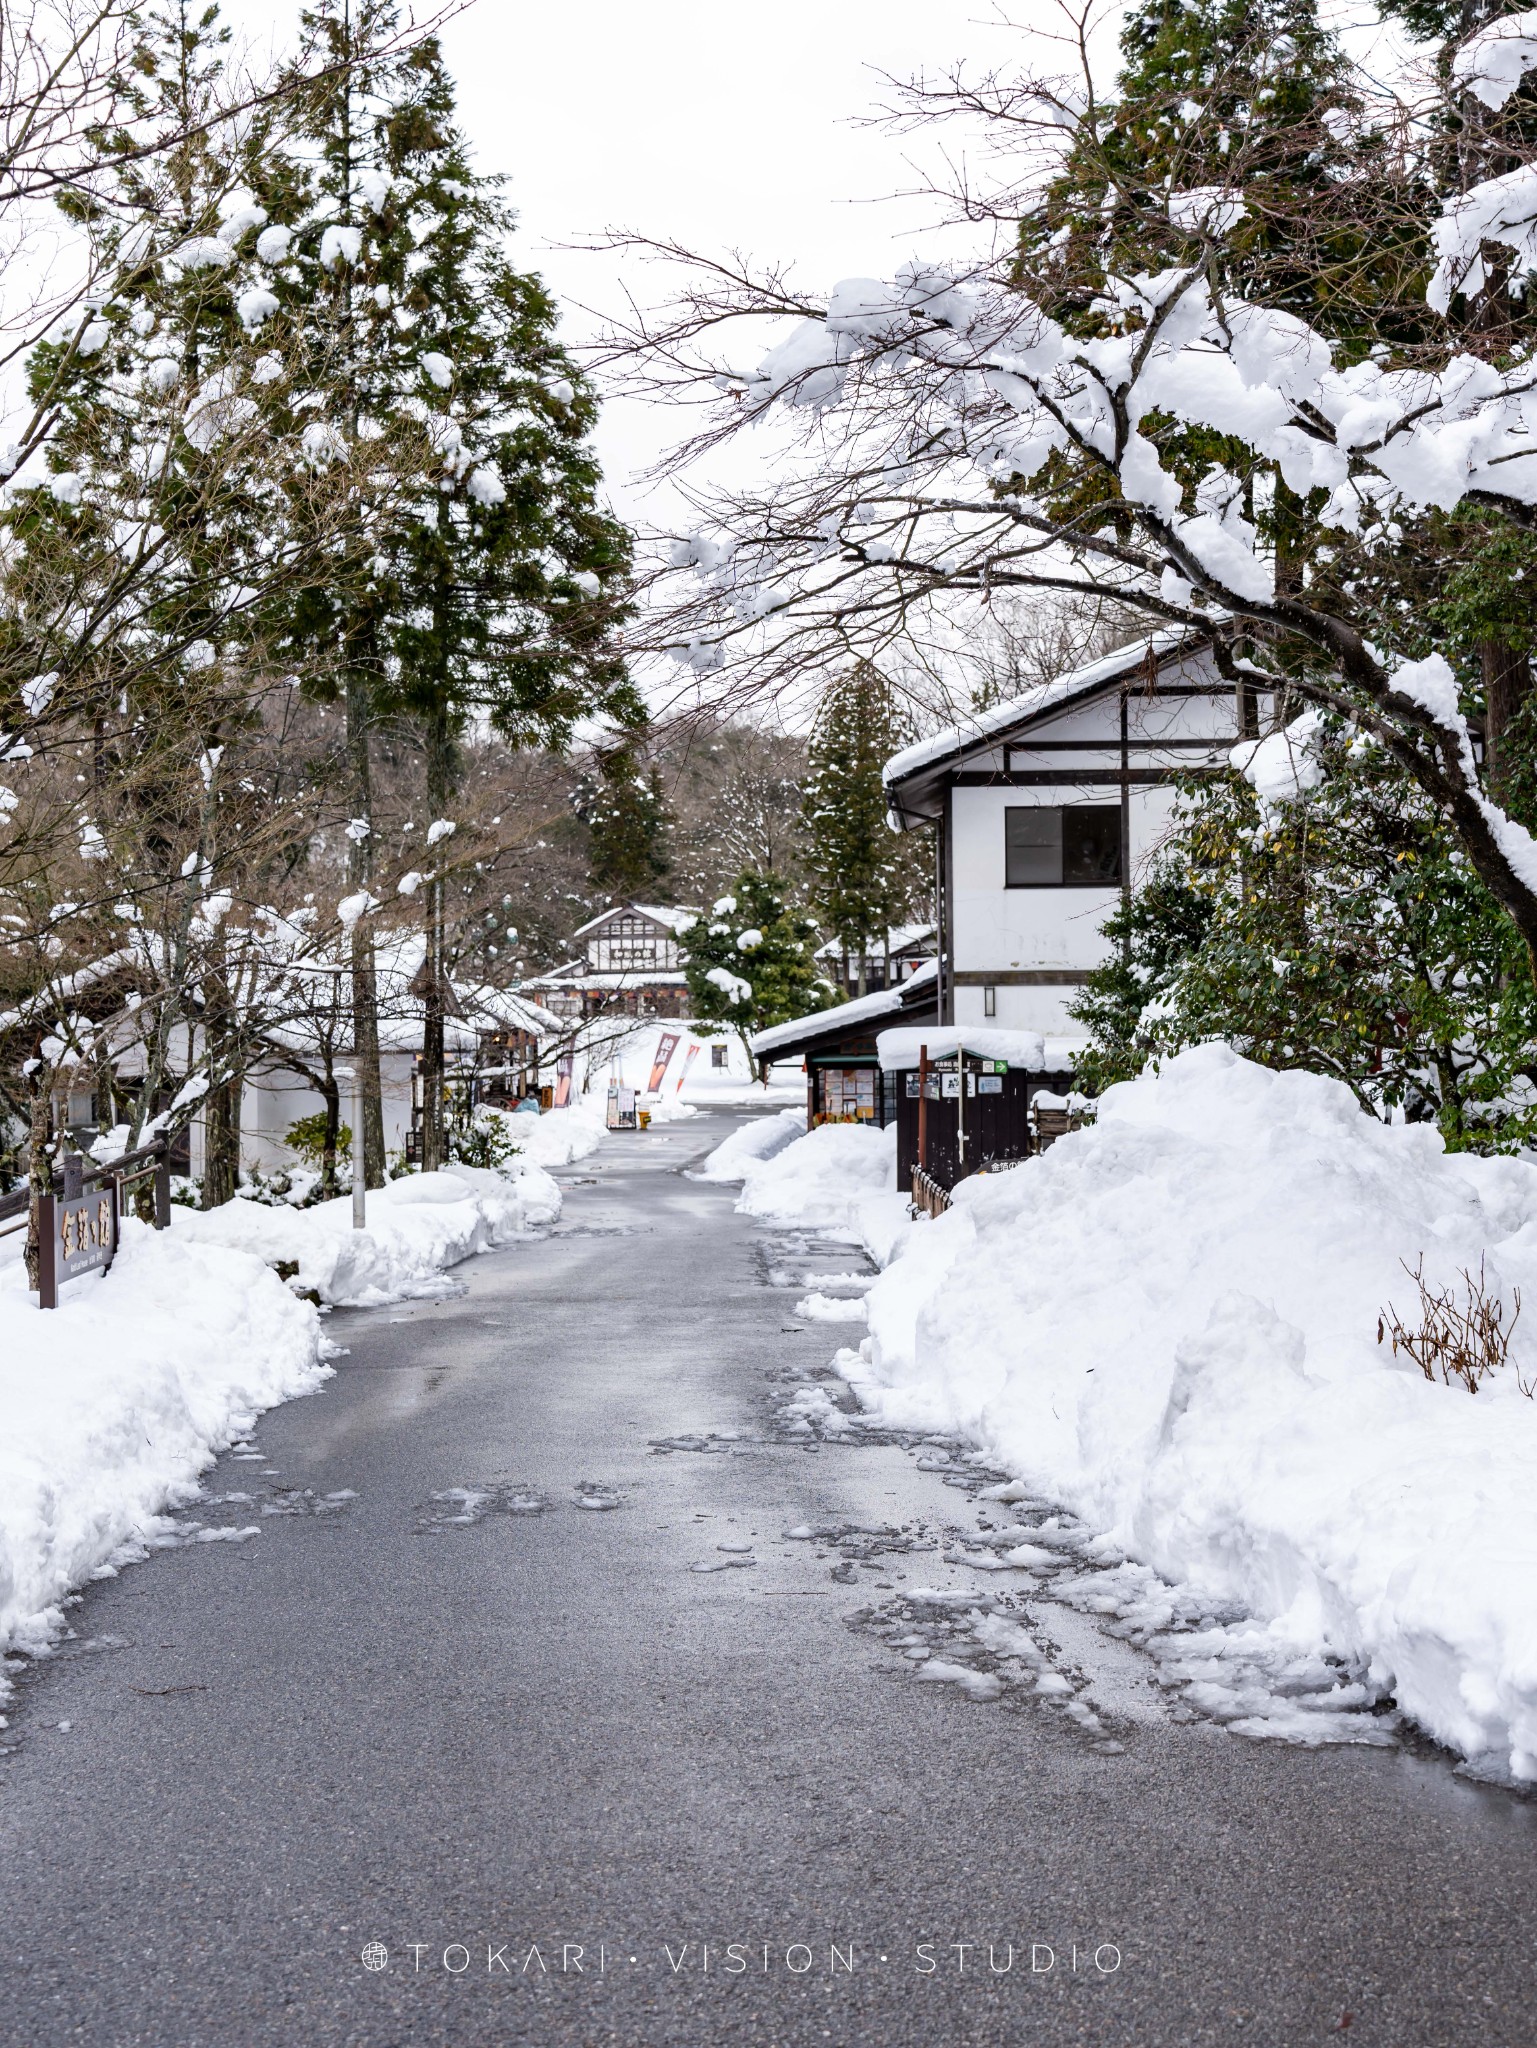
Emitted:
pixel 153 1155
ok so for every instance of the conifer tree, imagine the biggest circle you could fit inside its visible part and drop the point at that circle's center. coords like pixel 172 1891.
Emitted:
pixel 627 819
pixel 478 579
pixel 867 877
pixel 751 962
pixel 163 528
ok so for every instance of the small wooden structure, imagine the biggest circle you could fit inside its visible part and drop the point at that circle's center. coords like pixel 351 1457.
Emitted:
pixel 844 1081
pixel 963 1103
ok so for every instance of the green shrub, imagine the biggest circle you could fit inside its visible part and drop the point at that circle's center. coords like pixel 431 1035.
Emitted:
pixel 307 1137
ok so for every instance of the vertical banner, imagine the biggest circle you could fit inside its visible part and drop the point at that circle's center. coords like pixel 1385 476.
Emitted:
pixel 563 1071
pixel 666 1046
pixel 688 1060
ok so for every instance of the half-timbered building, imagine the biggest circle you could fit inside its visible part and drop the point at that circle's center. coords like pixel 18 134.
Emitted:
pixel 629 963
pixel 1045 812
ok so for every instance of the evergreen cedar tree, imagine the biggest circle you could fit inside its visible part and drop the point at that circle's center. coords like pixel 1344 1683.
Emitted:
pixel 866 877
pixel 348 439
pixel 165 531
pixel 762 951
pixel 622 804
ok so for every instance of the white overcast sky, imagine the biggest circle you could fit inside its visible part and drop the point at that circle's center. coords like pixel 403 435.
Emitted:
pixel 714 125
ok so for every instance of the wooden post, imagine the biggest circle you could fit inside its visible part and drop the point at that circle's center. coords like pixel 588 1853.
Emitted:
pixel 47 1252
pixel 163 1185
pixel 923 1109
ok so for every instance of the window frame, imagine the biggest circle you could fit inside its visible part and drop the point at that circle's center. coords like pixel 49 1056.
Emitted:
pixel 1118 881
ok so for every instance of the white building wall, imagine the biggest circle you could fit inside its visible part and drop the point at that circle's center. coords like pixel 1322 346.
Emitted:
pixel 1002 930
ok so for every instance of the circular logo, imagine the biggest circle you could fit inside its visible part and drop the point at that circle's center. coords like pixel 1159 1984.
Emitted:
pixel 375 1955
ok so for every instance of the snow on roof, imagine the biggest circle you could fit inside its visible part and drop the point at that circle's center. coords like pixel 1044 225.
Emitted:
pixel 899 1049
pixel 512 1011
pixel 986 725
pixel 886 1002
pixel 579 976
pixel 676 917
pixel 896 940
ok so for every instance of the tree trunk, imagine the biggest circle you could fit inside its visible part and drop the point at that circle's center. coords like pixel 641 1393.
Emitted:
pixel 1507 685
pixel 221 1105
pixel 434 1059
pixel 39 1169
pixel 365 984
pixel 330 1138
pixel 440 767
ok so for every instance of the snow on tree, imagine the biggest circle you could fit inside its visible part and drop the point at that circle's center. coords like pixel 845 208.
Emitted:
pixel 956 434
pixel 751 960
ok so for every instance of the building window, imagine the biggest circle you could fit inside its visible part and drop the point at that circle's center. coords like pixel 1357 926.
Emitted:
pixel 1073 846
pixel 989 1002
pixel 718 1055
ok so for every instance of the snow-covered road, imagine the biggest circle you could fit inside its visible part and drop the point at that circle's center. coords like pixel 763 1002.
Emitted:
pixel 579 1622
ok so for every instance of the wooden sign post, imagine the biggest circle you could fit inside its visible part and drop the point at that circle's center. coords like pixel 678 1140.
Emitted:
pixel 77 1233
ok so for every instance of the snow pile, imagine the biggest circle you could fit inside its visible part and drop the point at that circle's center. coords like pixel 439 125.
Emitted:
pixel 763 1138
pixel 111 1405
pixel 826 1180
pixel 417 1226
pixel 1168 1323
pixel 560 1136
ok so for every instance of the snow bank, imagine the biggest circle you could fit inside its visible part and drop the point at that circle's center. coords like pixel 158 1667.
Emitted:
pixel 560 1136
pixel 734 1157
pixel 826 1180
pixel 417 1226
pixel 111 1405
pixel 1168 1324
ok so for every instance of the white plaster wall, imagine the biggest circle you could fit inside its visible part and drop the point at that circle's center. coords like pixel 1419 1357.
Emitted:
pixel 1021 1009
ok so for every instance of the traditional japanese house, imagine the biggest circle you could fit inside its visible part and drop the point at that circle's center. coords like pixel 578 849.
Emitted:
pixel 630 965
pixel 1047 808
pixel 844 1082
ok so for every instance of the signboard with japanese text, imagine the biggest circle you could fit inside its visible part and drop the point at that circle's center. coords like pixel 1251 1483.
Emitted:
pixel 85 1231
pixel 77 1233
pixel 666 1046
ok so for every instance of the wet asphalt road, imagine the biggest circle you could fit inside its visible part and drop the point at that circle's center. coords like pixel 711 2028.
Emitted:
pixel 545 1731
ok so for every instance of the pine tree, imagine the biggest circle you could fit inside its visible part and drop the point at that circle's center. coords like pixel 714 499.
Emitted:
pixel 626 814
pixel 751 963
pixel 867 877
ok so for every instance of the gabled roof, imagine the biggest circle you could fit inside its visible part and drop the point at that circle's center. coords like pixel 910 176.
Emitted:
pixel 803 1032
pixel 672 917
pixel 906 772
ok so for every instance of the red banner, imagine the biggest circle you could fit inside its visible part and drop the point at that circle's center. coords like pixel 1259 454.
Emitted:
pixel 562 1093
pixel 688 1060
pixel 666 1046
